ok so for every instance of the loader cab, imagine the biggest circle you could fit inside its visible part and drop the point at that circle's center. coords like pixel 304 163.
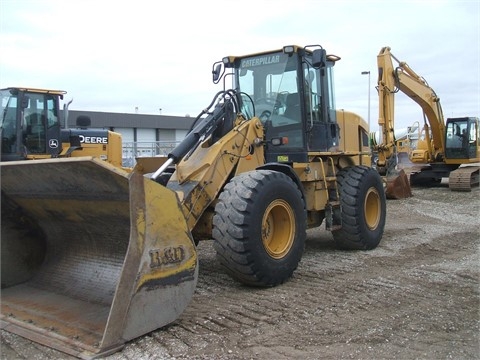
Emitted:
pixel 291 91
pixel 30 125
pixel 461 136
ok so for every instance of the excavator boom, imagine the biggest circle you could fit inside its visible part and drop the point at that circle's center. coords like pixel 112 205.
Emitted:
pixel 398 186
pixel 402 78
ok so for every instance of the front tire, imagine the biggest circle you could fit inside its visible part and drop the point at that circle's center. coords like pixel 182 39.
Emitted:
pixel 259 227
pixel 363 202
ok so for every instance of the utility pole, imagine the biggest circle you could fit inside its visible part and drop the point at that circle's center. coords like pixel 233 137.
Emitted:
pixel 368 73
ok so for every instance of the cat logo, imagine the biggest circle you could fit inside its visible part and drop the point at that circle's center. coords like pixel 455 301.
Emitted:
pixel 53 143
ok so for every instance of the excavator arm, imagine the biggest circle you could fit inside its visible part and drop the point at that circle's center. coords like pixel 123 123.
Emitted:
pixel 402 78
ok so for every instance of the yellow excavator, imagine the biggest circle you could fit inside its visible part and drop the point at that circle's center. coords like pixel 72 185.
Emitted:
pixel 450 149
pixel 93 255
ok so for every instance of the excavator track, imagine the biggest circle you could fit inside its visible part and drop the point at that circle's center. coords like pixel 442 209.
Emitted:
pixel 464 178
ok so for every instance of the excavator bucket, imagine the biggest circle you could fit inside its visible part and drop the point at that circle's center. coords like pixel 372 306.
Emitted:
pixel 91 255
pixel 398 186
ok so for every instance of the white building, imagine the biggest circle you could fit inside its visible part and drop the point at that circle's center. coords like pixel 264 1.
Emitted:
pixel 142 134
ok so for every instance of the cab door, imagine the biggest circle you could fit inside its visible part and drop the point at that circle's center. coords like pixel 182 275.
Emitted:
pixel 319 108
pixel 41 126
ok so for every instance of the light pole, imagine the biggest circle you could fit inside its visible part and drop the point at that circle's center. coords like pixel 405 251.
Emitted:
pixel 368 73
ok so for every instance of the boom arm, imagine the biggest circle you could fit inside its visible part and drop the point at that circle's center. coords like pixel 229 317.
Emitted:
pixel 219 145
pixel 392 79
pixel 201 130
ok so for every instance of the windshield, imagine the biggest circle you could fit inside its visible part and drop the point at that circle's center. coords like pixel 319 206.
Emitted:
pixel 9 107
pixel 8 125
pixel 4 95
pixel 268 80
pixel 269 87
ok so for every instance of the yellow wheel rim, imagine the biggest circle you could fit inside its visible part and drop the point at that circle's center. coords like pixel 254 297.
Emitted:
pixel 372 209
pixel 278 229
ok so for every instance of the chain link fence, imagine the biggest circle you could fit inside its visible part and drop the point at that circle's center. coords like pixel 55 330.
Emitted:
pixel 132 150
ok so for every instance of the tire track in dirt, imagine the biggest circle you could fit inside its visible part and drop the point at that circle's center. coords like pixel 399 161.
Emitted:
pixel 415 296
pixel 385 289
pixel 339 282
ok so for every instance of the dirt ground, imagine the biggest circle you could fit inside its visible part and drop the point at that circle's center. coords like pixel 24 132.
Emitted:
pixel 414 297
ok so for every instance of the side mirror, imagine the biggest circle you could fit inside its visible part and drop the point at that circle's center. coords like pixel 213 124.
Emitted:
pixel 217 71
pixel 319 58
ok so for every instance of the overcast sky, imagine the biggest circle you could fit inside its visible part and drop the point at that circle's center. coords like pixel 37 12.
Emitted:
pixel 119 55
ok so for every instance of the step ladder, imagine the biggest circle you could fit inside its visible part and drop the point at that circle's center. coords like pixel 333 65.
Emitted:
pixel 333 208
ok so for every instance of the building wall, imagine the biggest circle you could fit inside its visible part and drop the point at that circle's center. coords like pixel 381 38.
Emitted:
pixel 126 120
pixel 142 135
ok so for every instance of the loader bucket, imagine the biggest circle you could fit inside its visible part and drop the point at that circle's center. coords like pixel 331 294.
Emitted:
pixel 91 256
pixel 398 186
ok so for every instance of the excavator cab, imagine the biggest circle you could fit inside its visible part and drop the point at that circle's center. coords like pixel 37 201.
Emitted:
pixel 30 123
pixel 462 139
pixel 462 152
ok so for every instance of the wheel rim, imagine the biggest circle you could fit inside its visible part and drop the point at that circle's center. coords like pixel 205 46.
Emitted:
pixel 372 208
pixel 278 229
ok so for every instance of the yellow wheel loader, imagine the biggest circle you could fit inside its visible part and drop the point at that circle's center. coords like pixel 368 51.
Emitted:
pixel 93 256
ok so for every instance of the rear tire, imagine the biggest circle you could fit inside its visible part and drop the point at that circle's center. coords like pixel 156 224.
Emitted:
pixel 259 227
pixel 363 202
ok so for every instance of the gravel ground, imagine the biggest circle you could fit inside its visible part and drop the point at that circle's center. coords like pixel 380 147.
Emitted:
pixel 414 297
